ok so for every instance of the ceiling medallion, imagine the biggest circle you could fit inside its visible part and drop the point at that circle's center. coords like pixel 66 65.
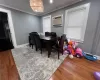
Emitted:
pixel 37 5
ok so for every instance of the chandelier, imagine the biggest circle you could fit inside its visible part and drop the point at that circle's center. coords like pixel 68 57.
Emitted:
pixel 37 5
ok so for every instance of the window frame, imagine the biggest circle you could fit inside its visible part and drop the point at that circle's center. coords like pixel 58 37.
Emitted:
pixel 87 7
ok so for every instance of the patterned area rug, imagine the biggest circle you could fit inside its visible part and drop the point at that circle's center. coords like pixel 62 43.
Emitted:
pixel 32 65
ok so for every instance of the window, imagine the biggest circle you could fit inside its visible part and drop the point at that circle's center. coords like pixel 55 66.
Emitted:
pixel 76 22
pixel 47 24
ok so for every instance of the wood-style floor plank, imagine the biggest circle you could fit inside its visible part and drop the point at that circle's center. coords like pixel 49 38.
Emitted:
pixel 8 70
pixel 76 69
pixel 70 69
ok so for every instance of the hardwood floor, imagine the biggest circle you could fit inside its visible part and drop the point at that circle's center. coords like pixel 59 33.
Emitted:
pixel 8 70
pixel 76 69
pixel 70 69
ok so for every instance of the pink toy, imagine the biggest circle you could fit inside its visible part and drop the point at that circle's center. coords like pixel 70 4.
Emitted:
pixel 78 52
pixel 65 52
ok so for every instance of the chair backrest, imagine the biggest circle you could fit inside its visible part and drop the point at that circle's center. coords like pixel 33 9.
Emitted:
pixel 53 34
pixel 47 34
pixel 61 42
pixel 37 41
pixel 32 37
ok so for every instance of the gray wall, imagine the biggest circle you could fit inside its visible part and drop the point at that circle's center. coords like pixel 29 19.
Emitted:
pixel 23 25
pixel 96 43
pixel 91 25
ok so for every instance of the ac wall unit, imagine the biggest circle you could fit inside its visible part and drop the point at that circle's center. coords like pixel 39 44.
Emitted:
pixel 57 20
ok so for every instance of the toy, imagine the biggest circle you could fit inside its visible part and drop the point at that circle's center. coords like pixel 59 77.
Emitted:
pixel 97 75
pixel 78 52
pixel 74 49
pixel 89 57
pixel 65 48
pixel 71 56
pixel 70 48
pixel 65 52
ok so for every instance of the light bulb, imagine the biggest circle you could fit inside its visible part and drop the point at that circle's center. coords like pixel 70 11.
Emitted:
pixel 51 1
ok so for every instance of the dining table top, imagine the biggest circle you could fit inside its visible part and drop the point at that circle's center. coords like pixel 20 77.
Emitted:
pixel 47 37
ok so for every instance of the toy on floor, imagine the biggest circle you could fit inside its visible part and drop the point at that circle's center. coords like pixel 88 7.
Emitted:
pixel 97 75
pixel 65 48
pixel 72 49
pixel 68 49
pixel 78 52
pixel 71 56
pixel 89 57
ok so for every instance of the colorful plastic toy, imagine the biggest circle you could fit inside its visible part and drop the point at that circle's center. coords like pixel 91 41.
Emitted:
pixel 78 52
pixel 97 75
pixel 89 57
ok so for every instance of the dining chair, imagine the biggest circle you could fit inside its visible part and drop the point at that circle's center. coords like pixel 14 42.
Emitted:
pixel 47 34
pixel 61 43
pixel 53 34
pixel 31 39
pixel 38 42
pixel 58 46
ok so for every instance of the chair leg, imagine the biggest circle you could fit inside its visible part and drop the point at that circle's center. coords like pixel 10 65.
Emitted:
pixel 32 46
pixel 58 54
pixel 62 53
pixel 29 45
pixel 41 51
pixel 36 49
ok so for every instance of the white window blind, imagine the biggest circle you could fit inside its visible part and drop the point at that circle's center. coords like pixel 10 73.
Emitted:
pixel 76 21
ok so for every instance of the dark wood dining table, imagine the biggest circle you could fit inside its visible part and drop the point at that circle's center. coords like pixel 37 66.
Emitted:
pixel 48 42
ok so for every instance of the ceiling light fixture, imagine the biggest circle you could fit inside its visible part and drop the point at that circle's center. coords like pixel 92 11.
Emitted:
pixel 37 5
pixel 51 1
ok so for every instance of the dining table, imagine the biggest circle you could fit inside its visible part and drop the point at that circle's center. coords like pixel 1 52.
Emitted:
pixel 48 40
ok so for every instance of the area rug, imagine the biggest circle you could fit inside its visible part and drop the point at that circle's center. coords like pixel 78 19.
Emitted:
pixel 32 65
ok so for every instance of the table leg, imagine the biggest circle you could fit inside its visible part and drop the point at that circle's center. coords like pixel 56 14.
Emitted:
pixel 48 45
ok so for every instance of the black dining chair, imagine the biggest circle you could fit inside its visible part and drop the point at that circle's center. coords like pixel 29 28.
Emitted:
pixel 56 47
pixel 47 34
pixel 31 39
pixel 61 43
pixel 53 34
pixel 38 42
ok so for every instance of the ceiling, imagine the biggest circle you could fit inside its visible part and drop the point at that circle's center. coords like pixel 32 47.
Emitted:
pixel 23 5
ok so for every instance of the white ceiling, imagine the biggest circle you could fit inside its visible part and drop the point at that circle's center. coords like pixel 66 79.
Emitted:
pixel 23 5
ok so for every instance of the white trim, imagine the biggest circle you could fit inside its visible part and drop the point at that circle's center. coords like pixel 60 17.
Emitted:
pixel 46 17
pixel 10 26
pixel 58 16
pixel 18 9
pixel 23 45
pixel 87 6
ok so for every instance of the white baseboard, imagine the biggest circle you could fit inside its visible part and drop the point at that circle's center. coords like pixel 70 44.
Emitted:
pixel 19 46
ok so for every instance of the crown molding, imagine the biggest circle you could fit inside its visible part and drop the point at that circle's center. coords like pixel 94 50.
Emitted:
pixel 60 8
pixel 6 6
pixel 41 14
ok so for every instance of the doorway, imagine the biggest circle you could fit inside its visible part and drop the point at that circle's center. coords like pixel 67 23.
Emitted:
pixel 5 34
pixel 47 24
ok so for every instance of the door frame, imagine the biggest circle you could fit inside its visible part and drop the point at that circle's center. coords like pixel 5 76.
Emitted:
pixel 11 26
pixel 87 6
pixel 44 18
